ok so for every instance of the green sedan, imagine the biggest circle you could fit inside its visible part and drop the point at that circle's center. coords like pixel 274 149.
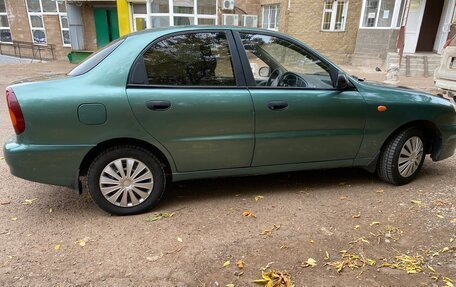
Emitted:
pixel 182 103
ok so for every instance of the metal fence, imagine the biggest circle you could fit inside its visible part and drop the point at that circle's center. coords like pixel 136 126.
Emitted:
pixel 28 50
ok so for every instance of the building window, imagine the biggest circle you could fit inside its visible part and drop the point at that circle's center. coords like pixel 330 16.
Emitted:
pixel 270 17
pixel 334 15
pixel 36 11
pixel 162 13
pixel 382 13
pixel 5 31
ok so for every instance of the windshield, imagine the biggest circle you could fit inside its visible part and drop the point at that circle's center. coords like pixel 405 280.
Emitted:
pixel 95 58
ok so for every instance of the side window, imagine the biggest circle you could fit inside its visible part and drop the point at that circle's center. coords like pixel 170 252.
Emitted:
pixel 278 63
pixel 196 59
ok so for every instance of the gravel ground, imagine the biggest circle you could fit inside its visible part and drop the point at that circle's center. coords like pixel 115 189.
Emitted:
pixel 53 237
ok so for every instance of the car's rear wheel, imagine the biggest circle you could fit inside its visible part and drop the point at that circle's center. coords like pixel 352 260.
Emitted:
pixel 126 180
pixel 402 157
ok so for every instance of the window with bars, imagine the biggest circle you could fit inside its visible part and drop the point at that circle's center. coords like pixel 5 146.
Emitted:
pixel 270 17
pixel 37 9
pixel 5 31
pixel 334 15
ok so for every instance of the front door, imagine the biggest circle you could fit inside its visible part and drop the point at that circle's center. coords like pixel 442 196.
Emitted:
pixel 186 93
pixel 299 116
pixel 444 25
pixel 414 20
pixel 106 25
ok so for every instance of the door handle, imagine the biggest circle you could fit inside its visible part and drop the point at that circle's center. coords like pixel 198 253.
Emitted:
pixel 277 105
pixel 158 105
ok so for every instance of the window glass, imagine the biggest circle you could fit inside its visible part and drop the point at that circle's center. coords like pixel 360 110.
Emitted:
pixel 139 9
pixel 140 24
pixel 159 21
pixel 4 21
pixel 289 65
pixel 386 13
pixel 181 21
pixel 36 21
pixel 49 5
pixel 197 59
pixel 33 5
pixel 159 6
pixel 39 37
pixel 202 21
pixel 370 13
pixel 62 6
pixel 95 58
pixel 66 37
pixel 5 35
pixel 183 6
pixel 270 19
pixel 2 6
pixel 401 12
pixel 64 21
pixel 206 7
pixel 339 15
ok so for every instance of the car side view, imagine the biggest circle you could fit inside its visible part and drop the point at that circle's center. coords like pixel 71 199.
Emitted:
pixel 182 103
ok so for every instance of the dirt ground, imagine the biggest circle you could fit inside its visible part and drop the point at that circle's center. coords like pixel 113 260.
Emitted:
pixel 50 236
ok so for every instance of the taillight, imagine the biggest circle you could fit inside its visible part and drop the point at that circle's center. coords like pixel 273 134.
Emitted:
pixel 15 111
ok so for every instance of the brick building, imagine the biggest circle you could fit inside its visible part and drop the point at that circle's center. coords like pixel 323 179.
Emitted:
pixel 42 22
pixel 344 30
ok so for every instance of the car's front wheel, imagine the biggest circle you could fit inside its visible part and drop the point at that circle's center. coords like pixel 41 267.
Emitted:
pixel 126 180
pixel 402 157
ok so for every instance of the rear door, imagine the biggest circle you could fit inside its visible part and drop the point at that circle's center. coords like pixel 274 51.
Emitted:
pixel 300 117
pixel 188 92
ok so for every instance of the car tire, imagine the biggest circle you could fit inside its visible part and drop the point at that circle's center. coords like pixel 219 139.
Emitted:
pixel 126 180
pixel 402 157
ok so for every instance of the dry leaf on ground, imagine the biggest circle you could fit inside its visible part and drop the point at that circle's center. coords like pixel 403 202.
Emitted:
pixel 309 263
pixel 258 197
pixel 248 213
pixel 275 279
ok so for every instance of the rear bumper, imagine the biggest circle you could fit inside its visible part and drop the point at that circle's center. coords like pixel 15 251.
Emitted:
pixel 448 143
pixel 50 164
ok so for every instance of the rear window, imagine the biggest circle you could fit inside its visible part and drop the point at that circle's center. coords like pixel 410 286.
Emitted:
pixel 95 58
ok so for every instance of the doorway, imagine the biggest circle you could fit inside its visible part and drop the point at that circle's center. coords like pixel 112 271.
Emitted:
pixel 430 25
pixel 106 25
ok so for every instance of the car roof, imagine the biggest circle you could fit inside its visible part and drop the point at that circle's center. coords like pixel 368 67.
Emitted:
pixel 174 29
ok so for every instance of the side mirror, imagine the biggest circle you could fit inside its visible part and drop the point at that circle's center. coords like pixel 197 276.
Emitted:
pixel 342 81
pixel 264 72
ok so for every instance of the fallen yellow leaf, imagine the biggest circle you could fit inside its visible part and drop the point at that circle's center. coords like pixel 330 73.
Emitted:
pixel 179 239
pixel 13 218
pixel 29 201
pixel 311 241
pixel 226 263
pixel 416 202
pixel 57 247
pixel 432 269
pixel 357 227
pixel 248 213
pixel 380 190
pixel 453 220
pixel 240 264
pixel 357 215
pixel 80 242
pixel 310 262
pixel 374 223
pixel 229 285
pixel 258 197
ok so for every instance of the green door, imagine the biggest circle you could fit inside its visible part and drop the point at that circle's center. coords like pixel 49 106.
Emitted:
pixel 184 93
pixel 106 25
pixel 299 116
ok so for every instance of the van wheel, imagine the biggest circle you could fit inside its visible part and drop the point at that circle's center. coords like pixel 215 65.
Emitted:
pixel 402 157
pixel 126 180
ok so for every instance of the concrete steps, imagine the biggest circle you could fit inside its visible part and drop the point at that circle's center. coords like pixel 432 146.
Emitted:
pixel 369 60
pixel 416 63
